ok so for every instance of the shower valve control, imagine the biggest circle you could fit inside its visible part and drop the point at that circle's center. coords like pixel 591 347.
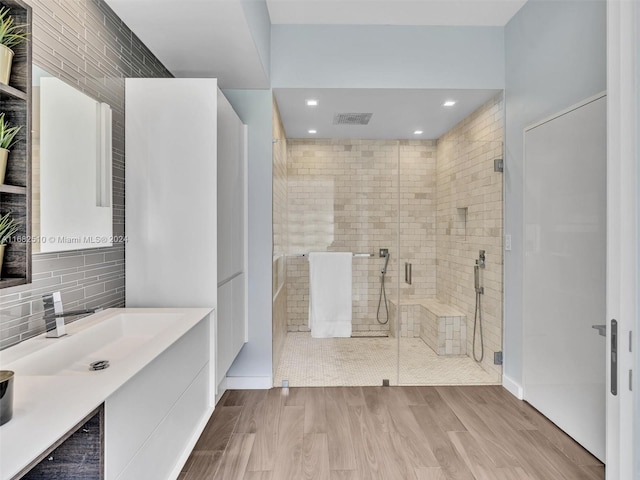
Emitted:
pixel 481 259
pixel 384 252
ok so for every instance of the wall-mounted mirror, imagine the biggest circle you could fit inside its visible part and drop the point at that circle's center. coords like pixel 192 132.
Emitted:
pixel 71 169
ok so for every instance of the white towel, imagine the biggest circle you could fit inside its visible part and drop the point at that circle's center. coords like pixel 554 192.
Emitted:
pixel 330 294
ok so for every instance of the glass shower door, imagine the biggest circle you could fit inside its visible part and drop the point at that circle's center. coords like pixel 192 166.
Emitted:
pixel 449 208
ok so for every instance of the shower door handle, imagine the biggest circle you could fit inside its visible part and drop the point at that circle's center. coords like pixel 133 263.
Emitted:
pixel 407 273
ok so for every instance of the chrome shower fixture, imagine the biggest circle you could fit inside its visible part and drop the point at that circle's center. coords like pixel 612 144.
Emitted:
pixel 481 262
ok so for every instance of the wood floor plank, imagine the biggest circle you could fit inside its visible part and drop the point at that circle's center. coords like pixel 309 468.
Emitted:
pixel 395 464
pixel 448 458
pixel 315 457
pixel 267 418
pixel 411 438
pixel 496 402
pixel 593 472
pixel 375 433
pixel 341 452
pixel 552 456
pixel 296 397
pixel 258 476
pixel 233 464
pixel 221 425
pixel 315 415
pixel 345 475
pixel 505 473
pixel 497 447
pixel 366 451
pixel 288 461
pixel 560 439
pixel 377 399
pixel 471 452
pixel 443 414
pixel 202 465
pixel 352 395
pixel 236 398
pixel 250 415
pixel 412 395
pixel 430 473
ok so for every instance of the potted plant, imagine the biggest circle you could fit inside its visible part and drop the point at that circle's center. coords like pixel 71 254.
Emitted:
pixel 11 35
pixel 7 139
pixel 8 227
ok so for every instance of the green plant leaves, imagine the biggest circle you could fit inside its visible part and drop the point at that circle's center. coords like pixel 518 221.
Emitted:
pixel 8 226
pixel 7 133
pixel 10 33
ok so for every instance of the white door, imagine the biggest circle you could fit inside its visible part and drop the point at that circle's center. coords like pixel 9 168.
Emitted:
pixel 564 279
pixel 623 120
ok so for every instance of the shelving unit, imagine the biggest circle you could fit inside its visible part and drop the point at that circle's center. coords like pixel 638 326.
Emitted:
pixel 15 193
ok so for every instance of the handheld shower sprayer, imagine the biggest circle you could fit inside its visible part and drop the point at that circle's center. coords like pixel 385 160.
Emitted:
pixel 477 320
pixel 384 252
pixel 386 263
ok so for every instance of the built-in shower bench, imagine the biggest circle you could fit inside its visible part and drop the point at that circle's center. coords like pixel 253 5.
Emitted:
pixel 440 325
pixel 443 328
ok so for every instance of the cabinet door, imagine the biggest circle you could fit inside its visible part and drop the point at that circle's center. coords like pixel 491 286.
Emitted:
pixel 231 192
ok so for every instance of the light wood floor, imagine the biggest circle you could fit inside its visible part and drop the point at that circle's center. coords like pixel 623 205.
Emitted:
pixel 386 433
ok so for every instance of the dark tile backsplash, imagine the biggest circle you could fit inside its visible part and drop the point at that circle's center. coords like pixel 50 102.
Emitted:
pixel 87 45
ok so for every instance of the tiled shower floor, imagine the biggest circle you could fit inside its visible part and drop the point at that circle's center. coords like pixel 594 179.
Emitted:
pixel 315 362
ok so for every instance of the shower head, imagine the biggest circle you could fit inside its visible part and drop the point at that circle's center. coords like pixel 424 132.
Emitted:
pixel 386 263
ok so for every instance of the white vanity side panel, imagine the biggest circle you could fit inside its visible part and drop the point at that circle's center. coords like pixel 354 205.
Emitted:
pixel 166 445
pixel 135 410
pixel 171 200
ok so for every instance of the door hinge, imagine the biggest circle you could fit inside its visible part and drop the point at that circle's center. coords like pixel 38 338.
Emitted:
pixel 630 380
pixel 630 340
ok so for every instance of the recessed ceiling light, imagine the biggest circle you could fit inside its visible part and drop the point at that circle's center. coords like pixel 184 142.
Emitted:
pixel 418 132
pixel 313 131
pixel 449 103
pixel 312 103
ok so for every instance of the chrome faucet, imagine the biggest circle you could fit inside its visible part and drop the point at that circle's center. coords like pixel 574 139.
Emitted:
pixel 54 321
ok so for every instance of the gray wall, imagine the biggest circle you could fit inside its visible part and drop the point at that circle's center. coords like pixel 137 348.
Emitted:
pixel 87 45
pixel 254 107
pixel 555 57
pixel 360 56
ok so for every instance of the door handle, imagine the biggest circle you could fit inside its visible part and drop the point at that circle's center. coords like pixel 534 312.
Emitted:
pixel 407 273
pixel 614 357
pixel 602 329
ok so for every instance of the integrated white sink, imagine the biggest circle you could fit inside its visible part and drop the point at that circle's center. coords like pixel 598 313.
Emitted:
pixel 113 339
pixel 54 389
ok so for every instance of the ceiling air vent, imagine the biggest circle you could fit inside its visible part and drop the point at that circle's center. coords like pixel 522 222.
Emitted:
pixel 352 118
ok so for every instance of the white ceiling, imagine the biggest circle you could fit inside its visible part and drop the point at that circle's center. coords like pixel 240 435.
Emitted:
pixel 394 12
pixel 197 38
pixel 397 113
pixel 212 38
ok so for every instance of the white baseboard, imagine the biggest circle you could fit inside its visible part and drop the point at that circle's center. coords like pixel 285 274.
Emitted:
pixel 514 388
pixel 249 383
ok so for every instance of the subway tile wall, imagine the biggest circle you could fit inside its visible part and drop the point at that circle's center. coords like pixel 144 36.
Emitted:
pixel 343 195
pixel 84 43
pixel 469 212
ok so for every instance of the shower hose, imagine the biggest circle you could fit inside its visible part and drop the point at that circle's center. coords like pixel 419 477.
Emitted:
pixel 477 322
pixel 383 294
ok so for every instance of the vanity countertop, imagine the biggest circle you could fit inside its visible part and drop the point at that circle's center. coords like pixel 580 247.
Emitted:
pixel 47 406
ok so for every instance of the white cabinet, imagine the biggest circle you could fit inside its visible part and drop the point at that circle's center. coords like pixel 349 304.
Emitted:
pixel 186 204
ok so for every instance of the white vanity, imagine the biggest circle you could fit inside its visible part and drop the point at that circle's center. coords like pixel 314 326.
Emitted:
pixel 158 391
